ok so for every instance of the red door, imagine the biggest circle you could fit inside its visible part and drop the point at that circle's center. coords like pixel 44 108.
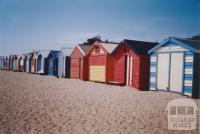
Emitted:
pixel 76 68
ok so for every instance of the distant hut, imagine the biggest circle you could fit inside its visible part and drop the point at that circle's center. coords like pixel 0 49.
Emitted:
pixel 5 63
pixel 27 63
pixel 1 61
pixel 16 59
pixel 42 61
pixel 53 62
pixel 79 62
pixel 64 62
pixel 21 63
pixel 33 61
pixel 11 58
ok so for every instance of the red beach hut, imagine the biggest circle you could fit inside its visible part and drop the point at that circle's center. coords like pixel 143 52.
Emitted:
pixel 79 62
pixel 131 63
pixel 100 61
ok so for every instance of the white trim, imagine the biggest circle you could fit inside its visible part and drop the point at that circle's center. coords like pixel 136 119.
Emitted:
pixel 131 70
pixel 127 69
pixel 80 50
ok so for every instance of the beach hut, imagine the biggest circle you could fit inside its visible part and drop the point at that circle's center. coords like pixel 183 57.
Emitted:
pixel 15 61
pixel 100 61
pixel 64 62
pixel 42 61
pixel 79 62
pixel 53 62
pixel 27 63
pixel 11 58
pixel 5 63
pixel 175 66
pixel 21 62
pixel 131 64
pixel 33 62
pixel 1 61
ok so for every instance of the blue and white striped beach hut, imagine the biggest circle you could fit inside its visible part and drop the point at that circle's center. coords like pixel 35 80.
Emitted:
pixel 175 66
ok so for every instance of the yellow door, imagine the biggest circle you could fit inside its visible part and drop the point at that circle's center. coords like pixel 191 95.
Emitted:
pixel 97 73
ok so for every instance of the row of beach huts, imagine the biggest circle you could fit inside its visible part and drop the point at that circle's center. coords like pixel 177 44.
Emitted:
pixel 172 65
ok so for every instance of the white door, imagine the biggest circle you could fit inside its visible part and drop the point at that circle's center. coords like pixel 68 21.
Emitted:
pixel 163 71
pixel 129 70
pixel 176 72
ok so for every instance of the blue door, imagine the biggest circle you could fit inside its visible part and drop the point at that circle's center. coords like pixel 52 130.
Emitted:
pixel 39 63
pixel 51 64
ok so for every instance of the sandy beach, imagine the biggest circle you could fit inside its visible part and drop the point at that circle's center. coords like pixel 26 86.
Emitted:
pixel 36 104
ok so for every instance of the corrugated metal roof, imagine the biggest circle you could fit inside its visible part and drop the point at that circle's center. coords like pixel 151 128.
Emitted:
pixel 110 47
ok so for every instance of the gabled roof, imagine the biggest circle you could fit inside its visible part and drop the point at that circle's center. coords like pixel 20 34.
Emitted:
pixel 110 47
pixel 29 55
pixel 23 56
pixel 140 47
pixel 84 48
pixel 191 45
pixel 54 53
pixel 44 53
pixel 66 51
pixel 35 53
pixel 12 57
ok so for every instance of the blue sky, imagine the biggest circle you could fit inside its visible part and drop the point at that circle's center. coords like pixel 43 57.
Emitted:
pixel 51 24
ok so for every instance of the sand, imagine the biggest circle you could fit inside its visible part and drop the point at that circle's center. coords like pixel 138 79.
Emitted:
pixel 36 104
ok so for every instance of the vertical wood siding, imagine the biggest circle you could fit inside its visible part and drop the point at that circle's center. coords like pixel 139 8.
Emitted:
pixel 96 64
pixel 119 71
pixel 78 70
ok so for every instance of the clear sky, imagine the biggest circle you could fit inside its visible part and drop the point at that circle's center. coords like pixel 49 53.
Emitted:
pixel 51 24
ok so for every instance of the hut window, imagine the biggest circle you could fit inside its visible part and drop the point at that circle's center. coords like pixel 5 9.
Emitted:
pixel 97 50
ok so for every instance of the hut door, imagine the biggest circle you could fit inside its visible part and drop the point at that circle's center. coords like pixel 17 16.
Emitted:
pixel 63 68
pixel 33 63
pixel 163 71
pixel 27 65
pixel 80 68
pixel 50 69
pixel 129 70
pixel 176 72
